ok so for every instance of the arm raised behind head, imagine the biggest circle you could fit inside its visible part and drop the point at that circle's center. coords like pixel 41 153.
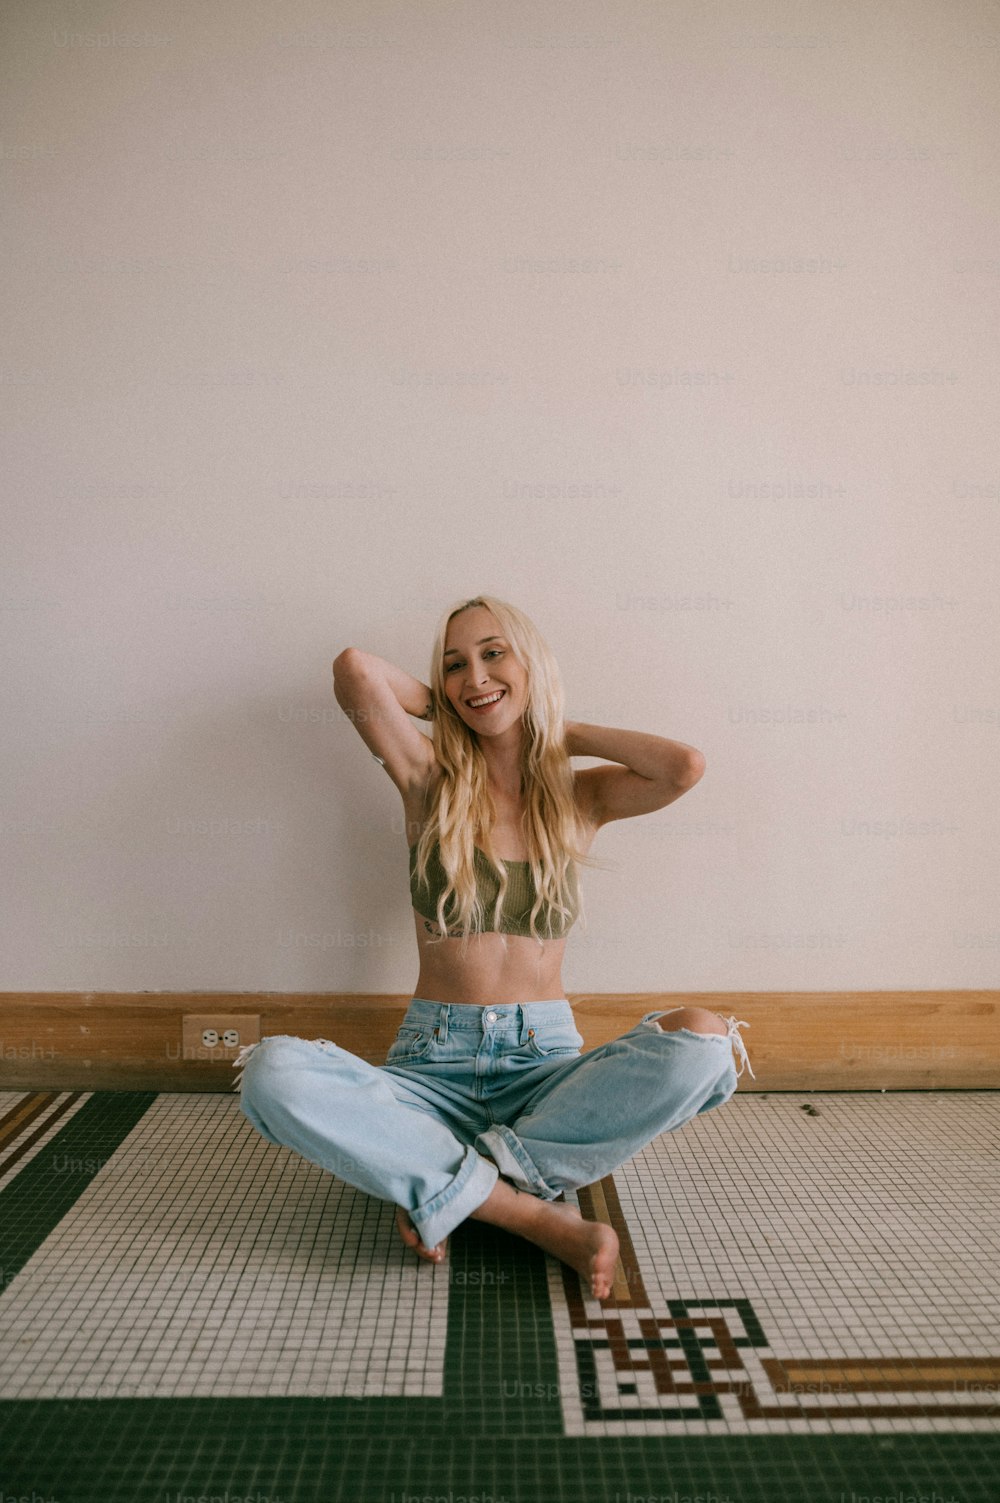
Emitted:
pixel 656 771
pixel 377 697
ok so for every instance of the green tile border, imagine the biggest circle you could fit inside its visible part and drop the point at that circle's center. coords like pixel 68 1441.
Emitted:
pixel 288 1450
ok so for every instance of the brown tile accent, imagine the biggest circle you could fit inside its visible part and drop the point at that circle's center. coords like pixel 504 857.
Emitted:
pixel 881 1374
pixel 13 1120
pixel 599 1202
pixel 19 1118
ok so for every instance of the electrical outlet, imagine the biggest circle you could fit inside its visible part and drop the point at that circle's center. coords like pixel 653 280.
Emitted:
pixel 217 1035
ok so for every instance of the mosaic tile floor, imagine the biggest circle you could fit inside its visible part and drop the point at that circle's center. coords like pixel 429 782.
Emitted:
pixel 805 1306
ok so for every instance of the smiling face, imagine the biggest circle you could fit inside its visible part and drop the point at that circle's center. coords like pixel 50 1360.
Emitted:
pixel 479 663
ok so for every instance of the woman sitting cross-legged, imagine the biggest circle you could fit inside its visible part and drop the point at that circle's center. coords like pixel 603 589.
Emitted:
pixel 485 1108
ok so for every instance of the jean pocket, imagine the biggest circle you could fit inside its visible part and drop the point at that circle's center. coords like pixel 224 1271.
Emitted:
pixel 409 1044
pixel 554 1041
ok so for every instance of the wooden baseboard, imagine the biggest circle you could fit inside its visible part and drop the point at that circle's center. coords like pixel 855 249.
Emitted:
pixel 796 1041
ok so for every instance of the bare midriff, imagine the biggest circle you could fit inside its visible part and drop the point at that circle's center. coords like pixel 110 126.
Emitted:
pixel 480 973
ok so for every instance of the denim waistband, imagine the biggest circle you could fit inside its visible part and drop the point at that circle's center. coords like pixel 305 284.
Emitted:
pixel 449 1015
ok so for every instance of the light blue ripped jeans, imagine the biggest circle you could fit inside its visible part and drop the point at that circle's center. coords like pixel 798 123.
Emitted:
pixel 460 1082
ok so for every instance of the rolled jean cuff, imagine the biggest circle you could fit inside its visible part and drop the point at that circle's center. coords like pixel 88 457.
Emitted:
pixel 470 1187
pixel 506 1148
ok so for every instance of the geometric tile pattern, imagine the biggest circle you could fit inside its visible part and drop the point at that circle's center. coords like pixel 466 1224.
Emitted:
pixel 680 1349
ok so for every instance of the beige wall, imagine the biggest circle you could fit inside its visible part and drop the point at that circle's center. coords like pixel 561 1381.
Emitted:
pixel 675 325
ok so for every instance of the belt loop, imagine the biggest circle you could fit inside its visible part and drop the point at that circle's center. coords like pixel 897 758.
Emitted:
pixel 441 1029
pixel 522 1033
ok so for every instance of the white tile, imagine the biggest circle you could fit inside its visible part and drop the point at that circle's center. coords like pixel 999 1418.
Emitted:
pixel 198 1261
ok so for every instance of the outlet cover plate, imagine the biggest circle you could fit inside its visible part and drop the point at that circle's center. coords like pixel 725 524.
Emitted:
pixel 194 1024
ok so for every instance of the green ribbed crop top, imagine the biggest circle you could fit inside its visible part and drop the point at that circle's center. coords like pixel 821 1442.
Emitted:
pixel 515 914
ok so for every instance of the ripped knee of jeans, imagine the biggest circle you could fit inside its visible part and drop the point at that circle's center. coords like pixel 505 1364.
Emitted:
pixel 731 1032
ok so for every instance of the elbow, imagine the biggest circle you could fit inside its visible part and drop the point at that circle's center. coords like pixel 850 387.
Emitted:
pixel 349 658
pixel 694 770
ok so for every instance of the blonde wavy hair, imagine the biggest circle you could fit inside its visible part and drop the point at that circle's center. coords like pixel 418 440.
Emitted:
pixel 463 810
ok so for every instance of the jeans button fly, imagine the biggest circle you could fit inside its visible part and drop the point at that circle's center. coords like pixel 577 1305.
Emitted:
pixel 491 1017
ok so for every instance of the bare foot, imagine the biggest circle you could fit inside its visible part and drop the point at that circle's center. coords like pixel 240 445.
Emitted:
pixel 411 1237
pixel 590 1247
